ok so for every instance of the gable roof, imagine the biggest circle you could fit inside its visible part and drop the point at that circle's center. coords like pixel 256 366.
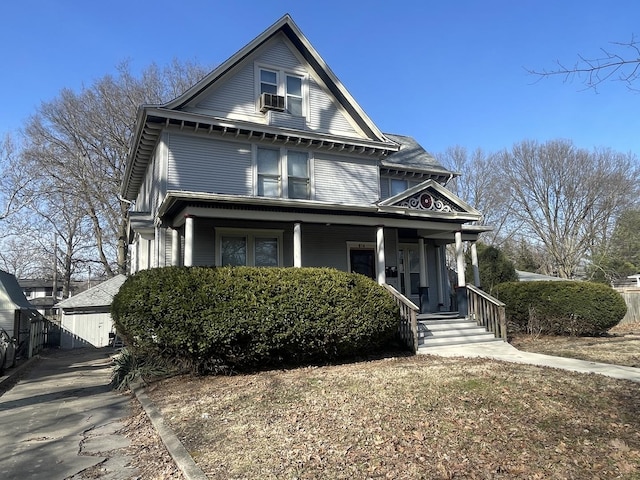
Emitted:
pixel 152 118
pixel 99 296
pixel 287 26
pixel 11 296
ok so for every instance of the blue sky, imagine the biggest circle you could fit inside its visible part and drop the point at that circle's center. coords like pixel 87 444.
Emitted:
pixel 445 72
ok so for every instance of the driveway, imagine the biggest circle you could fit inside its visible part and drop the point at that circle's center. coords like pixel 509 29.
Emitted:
pixel 62 418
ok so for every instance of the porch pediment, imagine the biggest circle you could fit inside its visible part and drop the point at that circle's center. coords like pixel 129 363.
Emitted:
pixel 432 198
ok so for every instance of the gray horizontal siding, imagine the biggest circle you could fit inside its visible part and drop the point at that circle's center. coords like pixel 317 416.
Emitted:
pixel 324 115
pixel 277 53
pixel 209 165
pixel 234 95
pixel 345 180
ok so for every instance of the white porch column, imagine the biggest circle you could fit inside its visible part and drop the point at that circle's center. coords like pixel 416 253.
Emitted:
pixel 297 245
pixel 188 241
pixel 474 263
pixel 461 291
pixel 439 271
pixel 460 260
pixel 380 263
pixel 424 280
pixel 175 247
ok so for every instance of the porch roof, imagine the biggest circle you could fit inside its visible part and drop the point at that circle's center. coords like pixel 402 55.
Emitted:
pixel 177 205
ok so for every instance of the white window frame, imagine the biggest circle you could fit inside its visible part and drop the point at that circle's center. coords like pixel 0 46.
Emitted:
pixel 250 236
pixel 284 171
pixel 281 77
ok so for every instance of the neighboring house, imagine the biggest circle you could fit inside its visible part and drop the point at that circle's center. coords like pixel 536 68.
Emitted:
pixel 269 161
pixel 86 318
pixel 538 277
pixel 16 312
pixel 39 292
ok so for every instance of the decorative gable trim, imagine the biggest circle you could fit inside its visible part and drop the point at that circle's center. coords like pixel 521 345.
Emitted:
pixel 430 197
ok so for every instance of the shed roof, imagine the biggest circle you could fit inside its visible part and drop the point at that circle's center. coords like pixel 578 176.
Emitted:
pixel 99 296
pixel 11 295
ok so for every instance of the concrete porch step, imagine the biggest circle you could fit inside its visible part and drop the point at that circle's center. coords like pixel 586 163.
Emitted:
pixel 443 325
pixel 456 340
pixel 448 328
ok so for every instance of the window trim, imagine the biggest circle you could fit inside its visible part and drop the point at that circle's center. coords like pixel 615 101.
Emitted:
pixel 283 170
pixel 250 235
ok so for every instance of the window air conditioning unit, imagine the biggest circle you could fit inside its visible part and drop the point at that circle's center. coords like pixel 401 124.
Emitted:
pixel 271 101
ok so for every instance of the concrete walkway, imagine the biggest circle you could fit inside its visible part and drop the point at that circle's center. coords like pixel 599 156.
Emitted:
pixel 62 417
pixel 504 351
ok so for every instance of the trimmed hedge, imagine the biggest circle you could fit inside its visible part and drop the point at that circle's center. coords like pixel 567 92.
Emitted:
pixel 239 318
pixel 561 307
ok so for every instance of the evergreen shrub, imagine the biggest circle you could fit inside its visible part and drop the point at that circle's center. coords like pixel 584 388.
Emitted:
pixel 240 318
pixel 561 307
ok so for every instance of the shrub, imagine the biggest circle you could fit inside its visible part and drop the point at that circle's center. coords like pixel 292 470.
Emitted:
pixel 494 267
pixel 561 307
pixel 221 319
pixel 128 368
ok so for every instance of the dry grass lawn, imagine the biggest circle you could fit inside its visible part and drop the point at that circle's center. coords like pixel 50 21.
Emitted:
pixel 621 347
pixel 418 417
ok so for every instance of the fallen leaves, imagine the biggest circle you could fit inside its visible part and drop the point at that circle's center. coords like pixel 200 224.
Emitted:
pixel 407 418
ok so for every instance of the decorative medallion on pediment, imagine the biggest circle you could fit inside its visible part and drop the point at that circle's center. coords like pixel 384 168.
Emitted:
pixel 427 201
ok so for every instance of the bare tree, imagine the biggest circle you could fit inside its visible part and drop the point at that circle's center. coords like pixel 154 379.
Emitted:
pixel 567 199
pixel 620 62
pixel 77 145
pixel 13 179
pixel 478 186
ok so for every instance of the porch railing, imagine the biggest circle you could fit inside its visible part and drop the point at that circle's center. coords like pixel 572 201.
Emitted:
pixel 408 328
pixel 487 311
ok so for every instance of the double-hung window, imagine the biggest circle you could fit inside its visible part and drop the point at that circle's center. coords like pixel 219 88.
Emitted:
pixel 298 175
pixel 283 173
pixel 268 81
pixel 268 166
pixel 259 248
pixel 294 95
pixel 285 84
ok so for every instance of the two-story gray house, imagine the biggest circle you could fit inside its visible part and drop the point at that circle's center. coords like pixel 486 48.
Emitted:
pixel 269 161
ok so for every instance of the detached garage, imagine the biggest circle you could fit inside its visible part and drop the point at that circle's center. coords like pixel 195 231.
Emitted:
pixel 86 318
pixel 16 312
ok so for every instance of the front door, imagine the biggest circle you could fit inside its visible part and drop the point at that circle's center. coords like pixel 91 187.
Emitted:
pixel 363 261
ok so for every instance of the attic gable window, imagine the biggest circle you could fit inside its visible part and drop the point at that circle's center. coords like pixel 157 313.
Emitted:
pixel 294 95
pixel 268 82
pixel 289 86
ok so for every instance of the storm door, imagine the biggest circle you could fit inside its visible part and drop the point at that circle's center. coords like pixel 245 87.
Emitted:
pixel 409 272
pixel 363 261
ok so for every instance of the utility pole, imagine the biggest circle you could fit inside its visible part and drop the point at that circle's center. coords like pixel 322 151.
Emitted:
pixel 55 267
